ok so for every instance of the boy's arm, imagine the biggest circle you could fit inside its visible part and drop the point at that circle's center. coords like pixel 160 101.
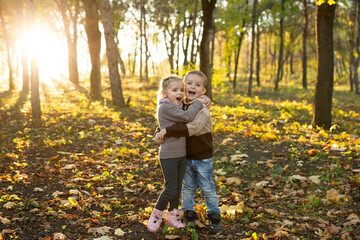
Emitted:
pixel 191 128
pixel 175 114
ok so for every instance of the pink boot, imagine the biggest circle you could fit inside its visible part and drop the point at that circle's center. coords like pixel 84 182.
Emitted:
pixel 173 220
pixel 155 220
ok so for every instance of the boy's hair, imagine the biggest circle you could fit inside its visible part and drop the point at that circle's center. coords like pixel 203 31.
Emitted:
pixel 200 74
pixel 164 83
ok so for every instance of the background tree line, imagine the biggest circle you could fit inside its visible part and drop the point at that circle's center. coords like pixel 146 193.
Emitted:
pixel 261 41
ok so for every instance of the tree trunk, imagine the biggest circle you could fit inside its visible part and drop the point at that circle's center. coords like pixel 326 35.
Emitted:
pixel 325 66
pixel 141 38
pixel 24 55
pixel 258 54
pixel 192 52
pixel 353 10
pixel 357 60
pixel 252 48
pixel 7 43
pixel 304 55
pixel 238 50
pixel 208 14
pixel 281 48
pixel 71 39
pixel 94 42
pixel 34 78
pixel 112 54
pixel 147 52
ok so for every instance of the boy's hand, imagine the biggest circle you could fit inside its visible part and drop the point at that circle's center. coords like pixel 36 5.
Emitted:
pixel 205 100
pixel 160 136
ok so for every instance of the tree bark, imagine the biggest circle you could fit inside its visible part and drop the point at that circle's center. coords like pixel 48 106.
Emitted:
pixel 353 10
pixel 208 14
pixel 258 33
pixel 281 48
pixel 141 38
pixel 34 78
pixel 94 42
pixel 112 54
pixel 71 39
pixel 357 60
pixel 252 48
pixel 238 50
pixel 24 55
pixel 192 51
pixel 325 66
pixel 7 43
pixel 304 55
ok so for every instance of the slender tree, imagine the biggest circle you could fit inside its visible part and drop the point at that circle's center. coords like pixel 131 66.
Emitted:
pixel 305 35
pixel 24 55
pixel 258 33
pixel 34 78
pixel 112 54
pixel 7 43
pixel 281 48
pixel 325 65
pixel 94 42
pixel 357 47
pixel 70 21
pixel 208 7
pixel 253 22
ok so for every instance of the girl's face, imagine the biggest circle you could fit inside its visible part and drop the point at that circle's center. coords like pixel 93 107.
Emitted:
pixel 174 92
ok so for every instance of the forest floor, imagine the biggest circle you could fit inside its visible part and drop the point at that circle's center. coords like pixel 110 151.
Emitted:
pixel 90 171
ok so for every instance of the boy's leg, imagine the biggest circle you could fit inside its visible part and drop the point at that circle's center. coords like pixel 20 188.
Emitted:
pixel 205 175
pixel 204 172
pixel 188 192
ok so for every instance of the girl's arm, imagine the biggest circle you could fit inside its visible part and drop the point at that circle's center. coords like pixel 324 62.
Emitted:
pixel 175 114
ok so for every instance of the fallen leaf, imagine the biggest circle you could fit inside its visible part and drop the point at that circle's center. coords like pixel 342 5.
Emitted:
pixel 100 230
pixel 332 195
pixel 119 232
pixel 236 181
pixel 59 236
pixel 172 237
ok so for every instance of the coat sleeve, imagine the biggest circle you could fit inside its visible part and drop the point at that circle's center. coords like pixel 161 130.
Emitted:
pixel 174 114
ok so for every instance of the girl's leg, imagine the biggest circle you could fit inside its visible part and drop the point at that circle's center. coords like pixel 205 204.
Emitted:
pixel 170 173
pixel 181 165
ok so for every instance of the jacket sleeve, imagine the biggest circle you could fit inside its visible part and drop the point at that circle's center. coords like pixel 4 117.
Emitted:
pixel 191 128
pixel 177 130
pixel 197 125
pixel 174 114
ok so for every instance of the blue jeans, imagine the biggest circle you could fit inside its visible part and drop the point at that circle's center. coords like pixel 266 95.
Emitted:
pixel 199 173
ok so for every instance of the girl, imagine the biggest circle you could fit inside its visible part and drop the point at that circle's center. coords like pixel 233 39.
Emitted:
pixel 172 152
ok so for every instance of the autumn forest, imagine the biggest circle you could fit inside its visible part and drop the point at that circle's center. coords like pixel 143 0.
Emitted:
pixel 79 81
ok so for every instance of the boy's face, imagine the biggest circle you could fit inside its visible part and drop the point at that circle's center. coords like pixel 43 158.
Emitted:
pixel 194 87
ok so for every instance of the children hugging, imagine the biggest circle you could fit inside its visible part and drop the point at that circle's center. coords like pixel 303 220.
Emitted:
pixel 186 151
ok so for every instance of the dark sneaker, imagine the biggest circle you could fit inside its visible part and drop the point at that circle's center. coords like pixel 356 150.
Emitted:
pixel 190 217
pixel 215 219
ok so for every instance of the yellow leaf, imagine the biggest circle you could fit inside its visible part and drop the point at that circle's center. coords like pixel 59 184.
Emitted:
pixel 331 2
pixel 320 2
pixel 255 237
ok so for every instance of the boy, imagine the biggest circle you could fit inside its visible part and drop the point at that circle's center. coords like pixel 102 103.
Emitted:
pixel 199 148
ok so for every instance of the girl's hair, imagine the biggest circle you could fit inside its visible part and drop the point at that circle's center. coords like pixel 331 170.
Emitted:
pixel 200 74
pixel 164 84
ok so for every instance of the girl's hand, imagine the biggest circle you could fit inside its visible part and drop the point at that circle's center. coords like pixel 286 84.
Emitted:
pixel 160 136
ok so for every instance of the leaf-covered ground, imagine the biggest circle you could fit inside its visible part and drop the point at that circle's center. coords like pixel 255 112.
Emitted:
pixel 91 171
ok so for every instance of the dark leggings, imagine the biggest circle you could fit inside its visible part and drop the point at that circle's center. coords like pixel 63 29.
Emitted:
pixel 173 170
